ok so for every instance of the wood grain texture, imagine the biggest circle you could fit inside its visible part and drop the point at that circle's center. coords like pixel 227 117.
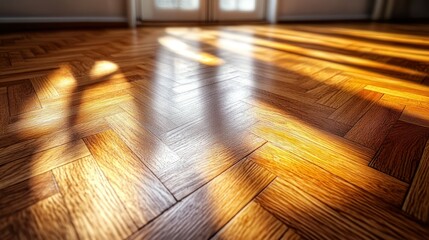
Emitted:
pixel 206 214
pixel 325 88
pixel 351 167
pixel 326 217
pixel 315 115
pixel 153 152
pixel 289 166
pixel 319 76
pixel 182 179
pixel 95 210
pixel 27 167
pixel 4 109
pixel 374 126
pixel 417 201
pixel 187 126
pixel 416 114
pixel 26 193
pixel 342 95
pixel 142 193
pixel 31 146
pixel 352 110
pixel 73 113
pixel 47 219
pixel 291 234
pixel 44 88
pixel 60 120
pixel 22 98
pixel 400 153
pixel 253 222
pixel 399 93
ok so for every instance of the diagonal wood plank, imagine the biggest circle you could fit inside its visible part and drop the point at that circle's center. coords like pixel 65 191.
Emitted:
pixel 47 219
pixel 417 201
pixel 352 110
pixel 26 193
pixel 22 98
pixel 27 147
pixel 27 167
pixel 351 167
pixel 324 97
pixel 142 193
pixel 4 109
pixel 44 88
pixel 291 235
pixel 341 95
pixel 331 217
pixel 95 210
pixel 197 169
pixel 374 126
pixel 317 77
pixel 416 114
pixel 328 87
pixel 152 151
pixel 210 207
pixel 253 222
pixel 400 153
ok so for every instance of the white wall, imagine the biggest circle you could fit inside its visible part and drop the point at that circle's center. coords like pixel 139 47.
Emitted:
pixel 324 9
pixel 62 10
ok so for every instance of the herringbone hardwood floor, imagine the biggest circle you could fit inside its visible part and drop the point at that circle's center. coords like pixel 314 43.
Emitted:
pixel 234 132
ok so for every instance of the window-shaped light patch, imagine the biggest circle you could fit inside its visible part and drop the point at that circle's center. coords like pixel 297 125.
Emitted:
pixel 103 68
pixel 181 48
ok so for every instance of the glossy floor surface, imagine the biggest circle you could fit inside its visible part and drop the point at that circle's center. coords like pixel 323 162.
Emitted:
pixel 236 132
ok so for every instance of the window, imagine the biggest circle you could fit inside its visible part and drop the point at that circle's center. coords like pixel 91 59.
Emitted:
pixel 178 4
pixel 238 5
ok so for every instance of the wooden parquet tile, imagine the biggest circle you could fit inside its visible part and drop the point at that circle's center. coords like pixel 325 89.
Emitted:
pixel 297 131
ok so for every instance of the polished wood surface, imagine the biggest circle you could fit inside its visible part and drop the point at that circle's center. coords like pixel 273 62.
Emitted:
pixel 298 131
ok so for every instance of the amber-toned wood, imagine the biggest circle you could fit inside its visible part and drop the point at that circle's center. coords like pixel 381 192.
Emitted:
pixel 27 167
pixel 374 126
pixel 392 190
pixel 151 151
pixel 314 115
pixel 416 114
pixel 291 234
pixel 278 160
pixel 417 201
pixel 44 88
pixel 44 220
pixel 181 179
pixel 142 193
pixel 256 131
pixel 97 214
pixel 319 76
pixel 206 214
pixel 352 110
pixel 314 216
pixel 325 88
pixel 22 98
pixel 344 93
pixel 4 109
pixel 34 189
pixel 400 93
pixel 253 222
pixel 400 153
pixel 31 146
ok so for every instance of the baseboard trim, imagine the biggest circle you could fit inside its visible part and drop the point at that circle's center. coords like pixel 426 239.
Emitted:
pixel 324 17
pixel 61 19
pixel 42 26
